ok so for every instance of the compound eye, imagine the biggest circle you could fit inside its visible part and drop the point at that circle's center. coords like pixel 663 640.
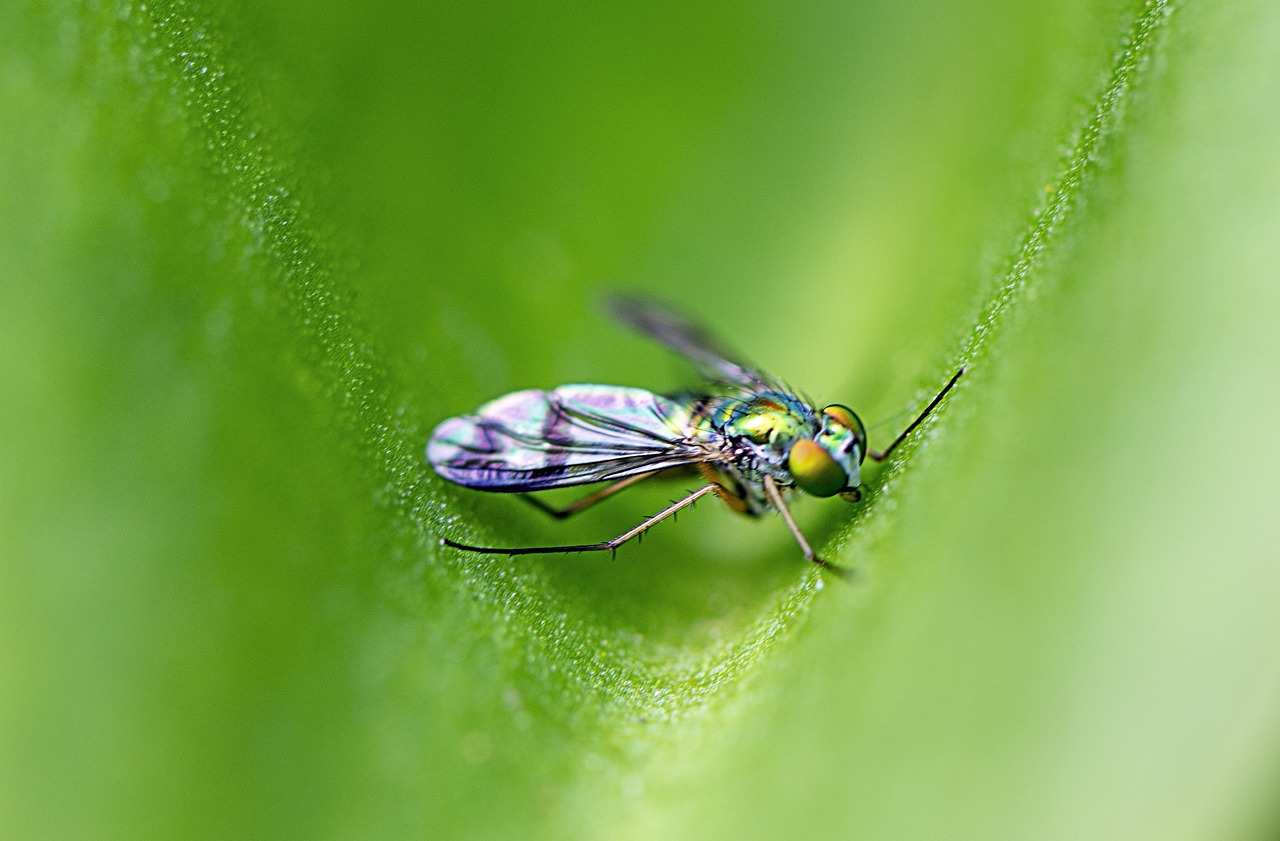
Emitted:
pixel 842 415
pixel 814 470
pixel 845 417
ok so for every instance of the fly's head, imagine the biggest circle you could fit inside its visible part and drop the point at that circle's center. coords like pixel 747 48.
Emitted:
pixel 820 453
pixel 829 463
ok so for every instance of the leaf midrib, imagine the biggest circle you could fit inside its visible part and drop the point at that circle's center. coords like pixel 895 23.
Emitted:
pixel 631 679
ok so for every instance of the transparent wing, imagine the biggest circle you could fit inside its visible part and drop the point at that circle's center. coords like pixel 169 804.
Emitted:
pixel 688 339
pixel 577 434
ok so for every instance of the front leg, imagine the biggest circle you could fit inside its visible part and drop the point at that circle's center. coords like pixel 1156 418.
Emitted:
pixel 775 496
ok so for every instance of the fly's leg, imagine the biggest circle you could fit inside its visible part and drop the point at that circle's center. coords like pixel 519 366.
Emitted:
pixel 588 500
pixel 605 546
pixel 775 497
pixel 933 404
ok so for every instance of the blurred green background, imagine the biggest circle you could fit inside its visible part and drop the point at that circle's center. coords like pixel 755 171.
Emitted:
pixel 251 253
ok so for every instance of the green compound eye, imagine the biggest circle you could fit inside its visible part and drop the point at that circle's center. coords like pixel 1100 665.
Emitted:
pixel 814 470
pixel 842 415
pixel 846 417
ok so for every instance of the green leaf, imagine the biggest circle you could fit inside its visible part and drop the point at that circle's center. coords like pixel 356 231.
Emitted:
pixel 249 256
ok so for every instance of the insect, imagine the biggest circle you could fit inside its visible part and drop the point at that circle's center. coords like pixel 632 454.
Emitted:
pixel 751 439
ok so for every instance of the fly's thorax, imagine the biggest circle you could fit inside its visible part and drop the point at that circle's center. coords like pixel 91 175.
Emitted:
pixel 762 428
pixel 760 431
